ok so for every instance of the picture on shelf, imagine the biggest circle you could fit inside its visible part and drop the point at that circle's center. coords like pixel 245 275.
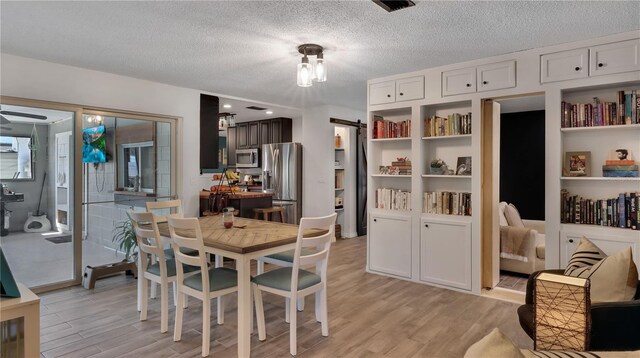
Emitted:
pixel 621 154
pixel 577 164
pixel 464 166
pixel 620 164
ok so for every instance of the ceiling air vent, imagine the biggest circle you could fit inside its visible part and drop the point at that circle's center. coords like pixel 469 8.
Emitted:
pixel 256 108
pixel 392 6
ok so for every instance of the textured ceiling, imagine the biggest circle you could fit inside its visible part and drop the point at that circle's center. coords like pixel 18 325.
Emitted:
pixel 248 48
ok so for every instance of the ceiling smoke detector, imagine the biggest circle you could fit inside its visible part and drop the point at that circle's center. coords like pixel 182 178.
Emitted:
pixel 394 5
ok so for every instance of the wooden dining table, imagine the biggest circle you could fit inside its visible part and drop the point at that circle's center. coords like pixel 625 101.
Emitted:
pixel 247 240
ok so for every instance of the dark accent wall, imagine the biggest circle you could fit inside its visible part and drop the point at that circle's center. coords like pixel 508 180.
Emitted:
pixel 522 162
pixel 208 132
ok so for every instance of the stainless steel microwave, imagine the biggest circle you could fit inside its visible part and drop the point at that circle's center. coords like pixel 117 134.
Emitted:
pixel 247 158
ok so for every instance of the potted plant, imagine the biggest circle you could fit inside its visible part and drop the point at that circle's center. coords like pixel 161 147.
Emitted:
pixel 438 166
pixel 125 237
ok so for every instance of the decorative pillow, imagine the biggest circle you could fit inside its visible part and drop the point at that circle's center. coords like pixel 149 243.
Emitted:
pixel 494 345
pixel 503 219
pixel 587 254
pixel 513 216
pixel 613 278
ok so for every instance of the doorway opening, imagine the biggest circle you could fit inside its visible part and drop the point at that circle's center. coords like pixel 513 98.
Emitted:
pixel 513 190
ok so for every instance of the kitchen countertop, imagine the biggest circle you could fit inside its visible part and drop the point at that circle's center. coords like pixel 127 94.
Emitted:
pixel 238 195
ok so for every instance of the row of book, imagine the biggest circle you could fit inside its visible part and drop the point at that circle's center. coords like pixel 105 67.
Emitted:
pixel 339 175
pixel 620 168
pixel 398 167
pixel 618 212
pixel 393 199
pixel 602 113
pixel 383 128
pixel 453 124
pixel 447 203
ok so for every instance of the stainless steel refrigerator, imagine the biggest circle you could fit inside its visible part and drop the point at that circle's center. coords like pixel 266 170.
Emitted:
pixel 282 176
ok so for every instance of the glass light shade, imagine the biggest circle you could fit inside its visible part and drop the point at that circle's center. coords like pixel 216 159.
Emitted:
pixel 320 70
pixel 305 74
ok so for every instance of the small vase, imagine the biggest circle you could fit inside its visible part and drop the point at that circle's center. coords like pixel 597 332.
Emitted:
pixel 438 171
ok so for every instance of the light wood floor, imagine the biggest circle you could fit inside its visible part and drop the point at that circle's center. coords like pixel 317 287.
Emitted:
pixel 370 316
pixel 513 281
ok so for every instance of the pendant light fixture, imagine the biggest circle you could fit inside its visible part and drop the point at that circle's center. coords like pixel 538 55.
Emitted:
pixel 308 72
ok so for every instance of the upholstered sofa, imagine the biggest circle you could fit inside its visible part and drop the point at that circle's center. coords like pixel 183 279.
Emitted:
pixel 615 326
pixel 534 241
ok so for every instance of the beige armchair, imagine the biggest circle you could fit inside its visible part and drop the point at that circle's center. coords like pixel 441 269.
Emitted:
pixel 528 254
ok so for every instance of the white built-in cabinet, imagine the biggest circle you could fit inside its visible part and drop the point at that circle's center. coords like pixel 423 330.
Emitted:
pixel 445 252
pixel 487 77
pixel 390 244
pixel 617 57
pixel 62 178
pixel 405 89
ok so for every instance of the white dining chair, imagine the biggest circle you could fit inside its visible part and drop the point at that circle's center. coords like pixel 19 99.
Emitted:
pixel 293 282
pixel 205 285
pixel 153 266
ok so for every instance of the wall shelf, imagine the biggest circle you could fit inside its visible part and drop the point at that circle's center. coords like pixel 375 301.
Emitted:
pixel 622 127
pixel 446 176
pixel 390 176
pixel 631 179
pixel 391 139
pixel 458 136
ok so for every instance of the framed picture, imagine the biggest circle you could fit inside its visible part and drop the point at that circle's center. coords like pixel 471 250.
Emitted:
pixel 464 166
pixel 577 164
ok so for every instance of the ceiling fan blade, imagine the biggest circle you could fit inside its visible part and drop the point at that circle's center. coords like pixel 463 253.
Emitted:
pixel 5 128
pixel 4 120
pixel 26 115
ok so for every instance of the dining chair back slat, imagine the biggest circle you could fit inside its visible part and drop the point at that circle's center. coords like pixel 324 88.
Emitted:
pixel 147 234
pixel 193 241
pixel 159 208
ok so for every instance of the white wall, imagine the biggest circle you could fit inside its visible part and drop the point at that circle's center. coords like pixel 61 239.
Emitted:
pixel 35 79
pixel 318 152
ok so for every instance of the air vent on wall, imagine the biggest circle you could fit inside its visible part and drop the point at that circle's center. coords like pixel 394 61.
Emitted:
pixel 392 6
pixel 256 108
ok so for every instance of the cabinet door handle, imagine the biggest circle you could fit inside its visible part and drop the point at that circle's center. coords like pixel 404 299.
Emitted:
pixel 426 225
pixel 468 84
pixel 375 220
pixel 577 68
pixel 484 82
pixel 389 96
pixel 600 64
pixel 571 241
pixel 402 94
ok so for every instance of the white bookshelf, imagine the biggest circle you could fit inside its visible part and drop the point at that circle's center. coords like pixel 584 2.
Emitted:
pixel 440 176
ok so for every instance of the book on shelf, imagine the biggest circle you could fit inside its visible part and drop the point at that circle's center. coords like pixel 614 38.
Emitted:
pixel 383 128
pixel 620 162
pixel 339 179
pixel 621 211
pixel 624 111
pixel 393 199
pixel 402 166
pixel 453 124
pixel 447 203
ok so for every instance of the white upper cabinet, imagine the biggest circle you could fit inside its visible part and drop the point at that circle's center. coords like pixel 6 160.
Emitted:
pixel 383 92
pixel 614 58
pixel 459 81
pixel 496 76
pixel 565 65
pixel 411 88
pixel 405 89
pixel 488 77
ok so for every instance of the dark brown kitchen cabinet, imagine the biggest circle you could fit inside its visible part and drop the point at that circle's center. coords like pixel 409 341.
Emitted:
pixel 242 135
pixel 280 131
pixel 254 135
pixel 231 146
pixel 265 132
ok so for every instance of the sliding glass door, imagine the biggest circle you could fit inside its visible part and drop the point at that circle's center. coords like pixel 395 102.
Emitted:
pixel 128 160
pixel 37 172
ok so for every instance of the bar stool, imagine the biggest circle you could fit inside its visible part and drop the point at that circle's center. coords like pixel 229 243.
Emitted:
pixel 267 213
